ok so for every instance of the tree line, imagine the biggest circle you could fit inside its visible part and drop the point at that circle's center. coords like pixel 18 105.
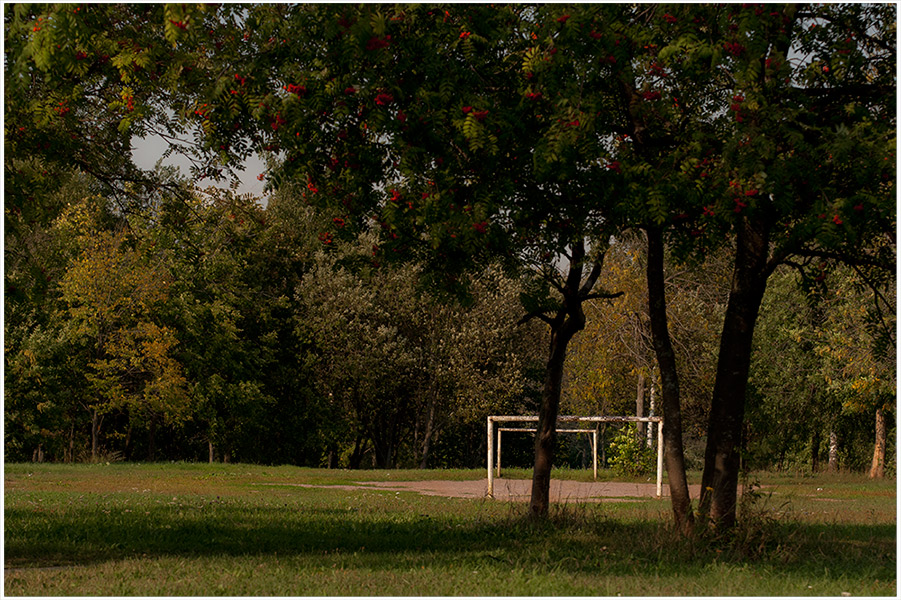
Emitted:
pixel 523 140
pixel 216 328
pixel 207 325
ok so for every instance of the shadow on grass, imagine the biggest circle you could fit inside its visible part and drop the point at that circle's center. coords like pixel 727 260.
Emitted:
pixel 580 539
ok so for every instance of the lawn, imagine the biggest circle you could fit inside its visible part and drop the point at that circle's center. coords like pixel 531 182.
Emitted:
pixel 198 529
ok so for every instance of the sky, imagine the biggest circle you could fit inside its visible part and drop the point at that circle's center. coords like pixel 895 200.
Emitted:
pixel 147 151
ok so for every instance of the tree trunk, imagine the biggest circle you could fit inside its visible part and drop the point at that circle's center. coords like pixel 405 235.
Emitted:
pixel 673 451
pixel 356 457
pixel 383 441
pixel 569 320
pixel 833 451
pixel 96 422
pixel 639 405
pixel 70 454
pixel 602 442
pixel 877 470
pixel 649 440
pixel 210 445
pixel 151 450
pixel 815 451
pixel 719 482
pixel 128 440
pixel 546 434
pixel 429 430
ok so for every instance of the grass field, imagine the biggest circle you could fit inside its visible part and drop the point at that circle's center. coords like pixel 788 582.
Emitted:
pixel 198 529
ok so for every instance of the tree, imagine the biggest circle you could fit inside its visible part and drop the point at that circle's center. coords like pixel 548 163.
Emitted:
pixel 800 161
pixel 80 82
pixel 456 117
pixel 113 293
pixel 824 357
pixel 615 357
pixel 396 363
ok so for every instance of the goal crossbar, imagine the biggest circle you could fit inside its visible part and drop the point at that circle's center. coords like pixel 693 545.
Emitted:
pixel 495 430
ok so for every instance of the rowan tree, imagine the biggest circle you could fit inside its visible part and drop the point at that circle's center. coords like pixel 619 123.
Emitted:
pixel 793 157
pixel 457 132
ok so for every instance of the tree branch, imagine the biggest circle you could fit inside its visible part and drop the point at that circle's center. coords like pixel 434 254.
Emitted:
pixel 536 314
pixel 604 295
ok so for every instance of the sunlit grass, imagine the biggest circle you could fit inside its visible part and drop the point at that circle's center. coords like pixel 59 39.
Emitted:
pixel 187 529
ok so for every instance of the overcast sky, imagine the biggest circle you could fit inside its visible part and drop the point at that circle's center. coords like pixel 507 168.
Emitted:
pixel 147 151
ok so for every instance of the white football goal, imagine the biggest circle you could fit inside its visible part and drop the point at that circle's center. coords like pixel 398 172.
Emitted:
pixel 498 424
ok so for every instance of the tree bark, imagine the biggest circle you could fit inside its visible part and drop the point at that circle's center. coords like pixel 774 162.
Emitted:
pixel 815 451
pixel 719 482
pixel 546 434
pixel 833 451
pixel 639 405
pixel 569 320
pixel 877 469
pixel 127 444
pixel 96 422
pixel 653 407
pixel 70 453
pixel 151 450
pixel 673 451
pixel 429 430
pixel 383 442
pixel 356 457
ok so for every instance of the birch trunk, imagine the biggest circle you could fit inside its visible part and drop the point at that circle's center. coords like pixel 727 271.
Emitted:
pixel 639 405
pixel 877 469
pixel 833 451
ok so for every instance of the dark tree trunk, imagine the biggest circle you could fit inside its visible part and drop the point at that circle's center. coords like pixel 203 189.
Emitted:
pixel 383 442
pixel 127 452
pixel 569 320
pixel 429 431
pixel 70 453
pixel 877 469
pixel 673 453
pixel 602 442
pixel 151 450
pixel 546 433
pixel 96 422
pixel 356 457
pixel 719 482
pixel 815 451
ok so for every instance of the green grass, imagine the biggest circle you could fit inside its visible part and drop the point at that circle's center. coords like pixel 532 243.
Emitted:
pixel 197 529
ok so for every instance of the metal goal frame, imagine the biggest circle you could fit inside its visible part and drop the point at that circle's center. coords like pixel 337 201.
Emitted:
pixel 495 430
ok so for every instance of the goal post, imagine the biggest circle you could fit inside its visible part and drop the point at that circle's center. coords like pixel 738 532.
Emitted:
pixel 593 440
pixel 495 429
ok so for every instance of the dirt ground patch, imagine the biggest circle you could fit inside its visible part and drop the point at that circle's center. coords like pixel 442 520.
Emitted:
pixel 518 490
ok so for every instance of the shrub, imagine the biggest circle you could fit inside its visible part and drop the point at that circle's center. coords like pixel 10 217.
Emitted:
pixel 630 455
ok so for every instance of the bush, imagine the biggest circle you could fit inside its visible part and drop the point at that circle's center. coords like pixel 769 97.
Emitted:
pixel 629 454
